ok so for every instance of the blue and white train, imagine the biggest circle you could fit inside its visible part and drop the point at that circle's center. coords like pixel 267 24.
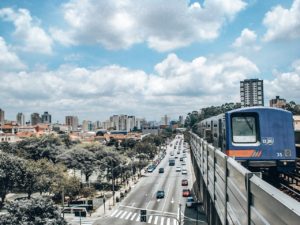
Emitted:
pixel 261 138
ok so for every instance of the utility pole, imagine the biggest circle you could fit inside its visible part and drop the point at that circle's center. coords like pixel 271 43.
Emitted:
pixel 113 182
pixel 63 201
pixel 179 213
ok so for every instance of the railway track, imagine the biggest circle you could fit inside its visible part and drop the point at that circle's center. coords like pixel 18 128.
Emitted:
pixel 289 183
pixel 293 192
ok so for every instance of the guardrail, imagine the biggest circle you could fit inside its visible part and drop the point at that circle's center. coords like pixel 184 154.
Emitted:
pixel 238 195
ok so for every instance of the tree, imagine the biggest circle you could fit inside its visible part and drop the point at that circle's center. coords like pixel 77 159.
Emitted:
pixel 81 159
pixel 11 168
pixel 32 212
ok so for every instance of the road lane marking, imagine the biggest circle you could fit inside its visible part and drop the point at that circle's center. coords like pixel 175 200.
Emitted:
pixel 119 213
pixel 162 221
pixel 121 217
pixel 155 220
pixel 168 221
pixel 114 213
pixel 134 214
pixel 150 219
pixel 129 214
pixel 166 197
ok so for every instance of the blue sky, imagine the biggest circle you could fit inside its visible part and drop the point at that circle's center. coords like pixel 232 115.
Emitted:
pixel 147 58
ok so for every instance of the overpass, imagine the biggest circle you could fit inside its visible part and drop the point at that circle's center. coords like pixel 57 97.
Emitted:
pixel 231 194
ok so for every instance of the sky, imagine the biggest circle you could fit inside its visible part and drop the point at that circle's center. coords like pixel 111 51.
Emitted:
pixel 147 58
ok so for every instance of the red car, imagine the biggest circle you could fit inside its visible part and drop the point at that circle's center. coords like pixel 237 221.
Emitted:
pixel 184 182
pixel 186 192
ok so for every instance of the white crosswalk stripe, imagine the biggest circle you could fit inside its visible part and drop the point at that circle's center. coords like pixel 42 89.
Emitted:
pixel 155 220
pixel 129 214
pixel 119 213
pixel 168 221
pixel 134 214
pixel 114 213
pixel 150 219
pixel 175 222
pixel 138 218
pixel 122 216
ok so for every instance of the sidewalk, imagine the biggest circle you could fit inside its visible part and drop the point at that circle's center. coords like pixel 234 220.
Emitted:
pixel 106 208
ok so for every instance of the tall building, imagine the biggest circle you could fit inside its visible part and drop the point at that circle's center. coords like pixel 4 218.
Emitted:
pixel 21 119
pixel 181 120
pixel 2 118
pixel 46 118
pixel 72 121
pixel 252 92
pixel 130 123
pixel 278 102
pixel 165 120
pixel 122 122
pixel 87 125
pixel 35 119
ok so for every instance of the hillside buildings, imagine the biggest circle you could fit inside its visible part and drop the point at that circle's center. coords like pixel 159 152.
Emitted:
pixel 252 92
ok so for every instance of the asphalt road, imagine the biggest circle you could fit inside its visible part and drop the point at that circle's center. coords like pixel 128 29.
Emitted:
pixel 143 196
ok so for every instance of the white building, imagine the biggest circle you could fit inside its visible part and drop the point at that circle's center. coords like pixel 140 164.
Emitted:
pixel 21 119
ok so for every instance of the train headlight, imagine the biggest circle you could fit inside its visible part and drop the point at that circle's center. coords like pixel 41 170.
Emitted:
pixel 287 152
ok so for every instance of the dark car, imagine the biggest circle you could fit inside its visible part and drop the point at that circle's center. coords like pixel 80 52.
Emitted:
pixel 186 192
pixel 184 182
pixel 160 194
pixel 161 170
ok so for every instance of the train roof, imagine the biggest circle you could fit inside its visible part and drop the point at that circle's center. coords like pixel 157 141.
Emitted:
pixel 258 109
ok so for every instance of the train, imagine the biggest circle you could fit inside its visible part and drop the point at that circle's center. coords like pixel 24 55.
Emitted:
pixel 260 138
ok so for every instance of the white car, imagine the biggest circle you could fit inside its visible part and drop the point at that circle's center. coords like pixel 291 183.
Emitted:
pixel 178 169
pixel 189 201
pixel 184 172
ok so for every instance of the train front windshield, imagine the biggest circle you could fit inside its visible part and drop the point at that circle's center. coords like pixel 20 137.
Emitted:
pixel 244 129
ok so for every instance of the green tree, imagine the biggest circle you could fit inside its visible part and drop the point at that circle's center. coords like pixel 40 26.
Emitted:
pixel 32 212
pixel 80 159
pixel 11 168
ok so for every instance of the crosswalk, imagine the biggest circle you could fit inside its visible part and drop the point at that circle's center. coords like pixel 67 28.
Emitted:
pixel 151 219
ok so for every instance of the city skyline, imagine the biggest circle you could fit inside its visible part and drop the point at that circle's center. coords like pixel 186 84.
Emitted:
pixel 145 58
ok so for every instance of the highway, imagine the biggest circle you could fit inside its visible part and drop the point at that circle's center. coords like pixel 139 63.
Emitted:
pixel 163 211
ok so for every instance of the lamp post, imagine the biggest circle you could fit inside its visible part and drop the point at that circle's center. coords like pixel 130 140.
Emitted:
pixel 112 180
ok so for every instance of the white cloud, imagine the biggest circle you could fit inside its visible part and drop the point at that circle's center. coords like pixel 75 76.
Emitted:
pixel 176 86
pixel 28 31
pixel 285 84
pixel 247 40
pixel 8 59
pixel 163 25
pixel 283 23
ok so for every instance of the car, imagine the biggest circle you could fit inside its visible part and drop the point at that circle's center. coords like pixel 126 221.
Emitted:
pixel 190 201
pixel 186 192
pixel 183 150
pixel 150 169
pixel 160 194
pixel 181 159
pixel 161 170
pixel 178 169
pixel 183 163
pixel 184 171
pixel 184 182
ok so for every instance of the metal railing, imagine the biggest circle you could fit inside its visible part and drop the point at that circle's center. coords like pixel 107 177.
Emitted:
pixel 238 195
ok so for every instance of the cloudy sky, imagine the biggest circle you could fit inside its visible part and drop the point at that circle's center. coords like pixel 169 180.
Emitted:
pixel 147 58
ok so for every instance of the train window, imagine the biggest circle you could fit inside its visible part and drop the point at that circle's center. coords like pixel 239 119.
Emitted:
pixel 244 129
